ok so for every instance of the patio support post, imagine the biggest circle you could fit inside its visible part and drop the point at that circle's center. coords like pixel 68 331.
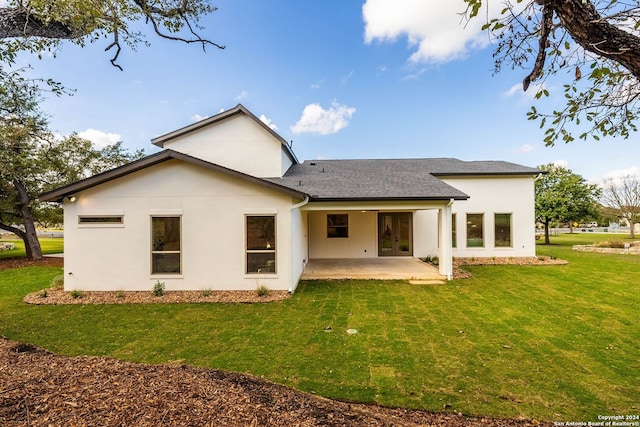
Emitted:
pixel 446 253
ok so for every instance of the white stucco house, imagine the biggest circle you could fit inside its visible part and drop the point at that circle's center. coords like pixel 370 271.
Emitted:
pixel 227 204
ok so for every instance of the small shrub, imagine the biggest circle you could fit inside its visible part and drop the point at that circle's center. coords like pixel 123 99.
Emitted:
pixel 432 260
pixel 43 294
pixel 76 293
pixel 58 281
pixel 158 289
pixel 206 292
pixel 262 291
pixel 120 294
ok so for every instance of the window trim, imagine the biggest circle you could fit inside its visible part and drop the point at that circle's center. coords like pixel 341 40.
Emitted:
pixel 273 249
pixel 100 220
pixel 96 214
pixel 482 215
pixel 152 251
pixel 454 230
pixel 495 225
pixel 343 227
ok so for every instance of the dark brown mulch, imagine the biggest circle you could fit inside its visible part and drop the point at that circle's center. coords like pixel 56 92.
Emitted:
pixel 8 263
pixel 39 388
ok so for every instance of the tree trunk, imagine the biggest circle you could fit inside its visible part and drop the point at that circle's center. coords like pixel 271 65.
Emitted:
pixel 546 232
pixel 29 236
pixel 591 31
pixel 632 229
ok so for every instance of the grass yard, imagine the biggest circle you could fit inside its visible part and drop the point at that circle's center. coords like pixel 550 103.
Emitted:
pixel 48 245
pixel 557 343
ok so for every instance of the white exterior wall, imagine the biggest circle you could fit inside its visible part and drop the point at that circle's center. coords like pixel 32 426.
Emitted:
pixel 361 243
pixel 299 246
pixel 213 206
pixel 496 195
pixel 425 233
pixel 237 143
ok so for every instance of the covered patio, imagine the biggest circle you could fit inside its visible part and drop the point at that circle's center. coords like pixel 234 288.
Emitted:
pixel 400 268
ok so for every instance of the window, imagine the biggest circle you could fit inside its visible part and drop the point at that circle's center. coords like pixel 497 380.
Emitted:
pixel 503 230
pixel 94 219
pixel 337 225
pixel 475 234
pixel 165 245
pixel 454 236
pixel 261 244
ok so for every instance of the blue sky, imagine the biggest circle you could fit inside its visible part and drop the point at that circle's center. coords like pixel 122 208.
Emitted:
pixel 341 79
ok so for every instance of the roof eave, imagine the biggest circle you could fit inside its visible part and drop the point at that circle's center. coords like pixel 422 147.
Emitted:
pixel 313 198
pixel 59 194
pixel 467 174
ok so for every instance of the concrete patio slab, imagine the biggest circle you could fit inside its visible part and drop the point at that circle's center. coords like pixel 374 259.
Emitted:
pixel 400 268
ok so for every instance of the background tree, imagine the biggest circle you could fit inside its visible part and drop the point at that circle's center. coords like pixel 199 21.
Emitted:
pixel 594 43
pixel 623 195
pixel 33 160
pixel 561 195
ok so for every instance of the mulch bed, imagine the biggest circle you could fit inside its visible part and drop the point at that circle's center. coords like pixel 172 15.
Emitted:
pixel 39 388
pixel 23 262
pixel 57 296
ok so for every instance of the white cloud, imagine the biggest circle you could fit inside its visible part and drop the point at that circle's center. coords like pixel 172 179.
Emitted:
pixel 198 117
pixel 530 94
pixel 99 138
pixel 243 95
pixel 561 163
pixel 267 121
pixel 525 148
pixel 433 28
pixel 316 119
pixel 345 79
pixel 617 174
pixel 513 90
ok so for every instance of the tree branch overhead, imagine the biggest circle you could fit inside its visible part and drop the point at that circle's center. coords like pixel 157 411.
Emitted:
pixel 82 21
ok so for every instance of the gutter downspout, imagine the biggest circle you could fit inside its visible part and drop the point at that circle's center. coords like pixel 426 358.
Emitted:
pixel 294 207
pixel 302 203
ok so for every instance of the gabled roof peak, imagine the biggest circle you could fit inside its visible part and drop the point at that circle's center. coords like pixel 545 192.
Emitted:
pixel 238 109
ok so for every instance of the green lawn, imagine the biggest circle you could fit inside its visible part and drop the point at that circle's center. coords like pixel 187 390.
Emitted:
pixel 558 343
pixel 49 246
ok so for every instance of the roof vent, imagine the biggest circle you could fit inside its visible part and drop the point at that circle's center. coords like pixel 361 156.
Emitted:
pixel 312 163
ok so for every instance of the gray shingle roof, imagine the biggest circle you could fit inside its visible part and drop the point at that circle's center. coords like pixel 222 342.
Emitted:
pixel 392 179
